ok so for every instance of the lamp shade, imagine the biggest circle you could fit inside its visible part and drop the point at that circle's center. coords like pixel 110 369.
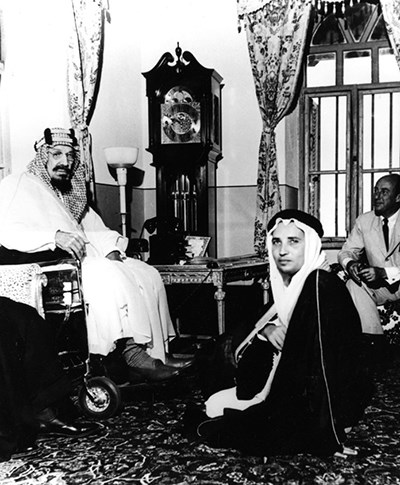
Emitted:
pixel 121 157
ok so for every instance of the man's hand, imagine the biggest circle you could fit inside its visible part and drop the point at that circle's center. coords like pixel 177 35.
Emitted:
pixel 353 269
pixel 72 242
pixel 114 256
pixel 275 334
pixel 372 274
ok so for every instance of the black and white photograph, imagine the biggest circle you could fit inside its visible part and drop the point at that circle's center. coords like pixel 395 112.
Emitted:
pixel 199 242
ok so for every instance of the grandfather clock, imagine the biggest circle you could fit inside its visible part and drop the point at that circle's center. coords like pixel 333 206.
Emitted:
pixel 184 100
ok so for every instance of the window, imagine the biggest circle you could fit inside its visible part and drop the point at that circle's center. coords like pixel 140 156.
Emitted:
pixel 351 106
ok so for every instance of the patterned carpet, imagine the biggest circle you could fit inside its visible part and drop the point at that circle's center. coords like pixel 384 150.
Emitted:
pixel 145 445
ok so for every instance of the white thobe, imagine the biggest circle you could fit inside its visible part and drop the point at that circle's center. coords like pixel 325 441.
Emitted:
pixel 125 299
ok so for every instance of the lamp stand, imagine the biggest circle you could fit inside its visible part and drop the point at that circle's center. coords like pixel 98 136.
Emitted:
pixel 120 159
pixel 122 180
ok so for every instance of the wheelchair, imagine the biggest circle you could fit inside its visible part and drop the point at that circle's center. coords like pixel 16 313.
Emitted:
pixel 54 289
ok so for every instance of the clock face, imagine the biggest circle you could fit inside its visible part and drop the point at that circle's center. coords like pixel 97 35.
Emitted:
pixel 180 117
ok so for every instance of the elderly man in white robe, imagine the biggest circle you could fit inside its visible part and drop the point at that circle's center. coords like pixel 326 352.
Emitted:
pixel 44 212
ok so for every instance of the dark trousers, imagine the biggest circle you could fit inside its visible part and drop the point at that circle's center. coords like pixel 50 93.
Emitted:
pixel 31 377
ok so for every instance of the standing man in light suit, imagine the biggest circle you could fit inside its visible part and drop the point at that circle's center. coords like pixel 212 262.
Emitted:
pixel 371 257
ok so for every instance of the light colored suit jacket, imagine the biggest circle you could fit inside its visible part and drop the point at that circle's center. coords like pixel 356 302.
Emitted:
pixel 367 238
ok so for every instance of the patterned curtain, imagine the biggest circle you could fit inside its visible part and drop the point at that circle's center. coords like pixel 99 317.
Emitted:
pixel 276 36
pixel 85 51
pixel 391 15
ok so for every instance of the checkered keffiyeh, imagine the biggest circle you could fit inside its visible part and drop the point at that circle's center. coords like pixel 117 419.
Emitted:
pixel 74 199
pixel 57 136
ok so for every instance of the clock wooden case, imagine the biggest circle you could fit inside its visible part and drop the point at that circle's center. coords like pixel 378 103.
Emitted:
pixel 184 101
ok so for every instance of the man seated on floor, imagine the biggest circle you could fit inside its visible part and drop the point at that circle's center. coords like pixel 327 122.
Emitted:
pixel 44 214
pixel 300 383
pixel 371 257
pixel 34 396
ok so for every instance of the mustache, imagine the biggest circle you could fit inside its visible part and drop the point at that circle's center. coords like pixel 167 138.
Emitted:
pixel 63 167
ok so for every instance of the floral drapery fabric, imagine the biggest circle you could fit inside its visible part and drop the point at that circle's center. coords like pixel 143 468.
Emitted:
pixel 391 15
pixel 276 35
pixel 85 50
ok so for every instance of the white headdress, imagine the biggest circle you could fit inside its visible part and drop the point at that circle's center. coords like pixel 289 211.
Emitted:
pixel 285 297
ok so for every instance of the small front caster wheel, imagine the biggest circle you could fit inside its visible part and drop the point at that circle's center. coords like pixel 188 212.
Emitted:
pixel 100 398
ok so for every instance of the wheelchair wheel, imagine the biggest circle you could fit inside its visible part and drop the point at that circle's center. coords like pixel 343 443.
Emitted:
pixel 100 398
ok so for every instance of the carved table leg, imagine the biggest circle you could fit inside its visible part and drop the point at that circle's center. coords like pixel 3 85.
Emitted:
pixel 219 296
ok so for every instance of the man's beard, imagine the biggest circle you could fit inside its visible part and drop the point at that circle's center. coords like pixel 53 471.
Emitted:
pixel 63 185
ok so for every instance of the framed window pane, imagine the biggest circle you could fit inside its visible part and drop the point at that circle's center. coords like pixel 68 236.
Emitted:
pixel 388 68
pixel 379 32
pixel 396 131
pixel 327 206
pixel 381 130
pixel 333 132
pixel 328 133
pixel 321 69
pixel 328 32
pixel 368 183
pixel 367 130
pixel 333 204
pixel 341 205
pixel 357 17
pixel 342 132
pixel 381 141
pixel 357 67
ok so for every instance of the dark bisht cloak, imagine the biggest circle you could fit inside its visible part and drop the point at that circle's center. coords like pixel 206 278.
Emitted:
pixel 319 387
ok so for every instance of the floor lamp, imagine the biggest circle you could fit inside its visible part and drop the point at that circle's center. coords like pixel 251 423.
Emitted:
pixel 120 159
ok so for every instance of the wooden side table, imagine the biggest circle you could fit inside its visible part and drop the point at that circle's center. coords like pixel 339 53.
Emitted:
pixel 229 270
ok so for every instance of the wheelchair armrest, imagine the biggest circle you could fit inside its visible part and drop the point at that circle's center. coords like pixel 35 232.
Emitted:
pixel 58 262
